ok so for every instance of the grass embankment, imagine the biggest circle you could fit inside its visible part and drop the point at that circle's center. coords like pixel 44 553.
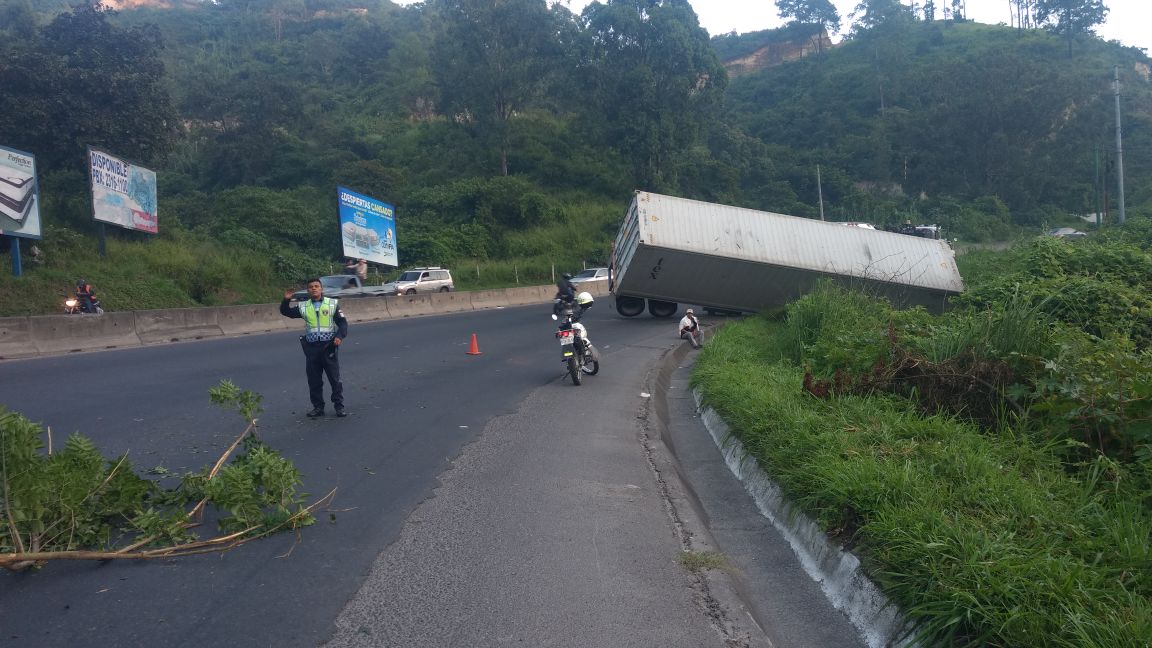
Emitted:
pixel 993 533
pixel 183 272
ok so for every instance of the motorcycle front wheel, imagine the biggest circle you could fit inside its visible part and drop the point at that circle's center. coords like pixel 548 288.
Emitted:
pixel 574 370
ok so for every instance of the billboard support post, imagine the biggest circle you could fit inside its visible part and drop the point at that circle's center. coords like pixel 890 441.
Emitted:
pixel 15 256
pixel 102 247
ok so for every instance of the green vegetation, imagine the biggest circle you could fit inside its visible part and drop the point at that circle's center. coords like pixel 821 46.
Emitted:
pixel 71 504
pixel 510 137
pixel 702 560
pixel 992 466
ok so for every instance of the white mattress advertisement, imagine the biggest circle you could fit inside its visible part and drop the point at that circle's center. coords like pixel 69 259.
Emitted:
pixel 367 228
pixel 19 195
pixel 123 193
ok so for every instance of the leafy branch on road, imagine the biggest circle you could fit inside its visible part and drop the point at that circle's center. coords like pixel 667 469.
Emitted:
pixel 75 505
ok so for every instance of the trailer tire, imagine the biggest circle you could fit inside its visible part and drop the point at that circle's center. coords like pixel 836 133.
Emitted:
pixel 662 308
pixel 629 306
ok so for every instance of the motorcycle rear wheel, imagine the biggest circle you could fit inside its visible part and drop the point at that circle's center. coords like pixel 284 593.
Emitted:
pixel 591 364
pixel 574 370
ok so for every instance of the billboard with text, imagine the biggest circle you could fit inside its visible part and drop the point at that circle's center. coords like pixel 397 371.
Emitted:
pixel 123 193
pixel 367 228
pixel 19 194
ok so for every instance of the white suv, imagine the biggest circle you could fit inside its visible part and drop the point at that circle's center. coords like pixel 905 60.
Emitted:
pixel 434 279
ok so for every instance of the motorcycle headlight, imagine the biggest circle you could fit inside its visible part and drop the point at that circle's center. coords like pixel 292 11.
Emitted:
pixel 70 303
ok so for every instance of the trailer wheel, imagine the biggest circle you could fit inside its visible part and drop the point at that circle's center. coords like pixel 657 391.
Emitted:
pixel 629 306
pixel 662 308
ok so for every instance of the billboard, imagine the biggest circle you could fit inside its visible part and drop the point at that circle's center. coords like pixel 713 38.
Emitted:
pixel 19 194
pixel 123 193
pixel 367 228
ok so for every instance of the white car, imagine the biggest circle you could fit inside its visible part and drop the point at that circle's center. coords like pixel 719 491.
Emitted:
pixel 1067 233
pixel 419 280
pixel 591 274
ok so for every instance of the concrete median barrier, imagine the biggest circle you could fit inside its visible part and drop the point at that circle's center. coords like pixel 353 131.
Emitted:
pixel 597 287
pixel 16 338
pixel 66 333
pixel 29 336
pixel 450 302
pixel 365 309
pixel 530 295
pixel 482 299
pixel 254 318
pixel 177 325
pixel 410 306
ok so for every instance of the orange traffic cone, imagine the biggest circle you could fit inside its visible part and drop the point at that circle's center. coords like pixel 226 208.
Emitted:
pixel 474 349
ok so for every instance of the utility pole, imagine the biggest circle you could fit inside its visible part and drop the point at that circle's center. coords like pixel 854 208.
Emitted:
pixel 1096 184
pixel 1119 149
pixel 820 192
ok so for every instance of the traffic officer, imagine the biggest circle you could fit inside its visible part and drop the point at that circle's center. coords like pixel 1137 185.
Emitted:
pixel 324 330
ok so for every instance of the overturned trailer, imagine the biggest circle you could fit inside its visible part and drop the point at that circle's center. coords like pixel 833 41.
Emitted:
pixel 672 251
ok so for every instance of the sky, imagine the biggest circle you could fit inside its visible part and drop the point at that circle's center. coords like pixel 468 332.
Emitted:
pixel 1129 21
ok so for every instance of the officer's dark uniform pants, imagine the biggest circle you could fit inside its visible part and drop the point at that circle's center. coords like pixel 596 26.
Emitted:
pixel 318 362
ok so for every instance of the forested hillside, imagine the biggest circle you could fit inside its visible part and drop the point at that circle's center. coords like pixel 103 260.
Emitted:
pixel 515 131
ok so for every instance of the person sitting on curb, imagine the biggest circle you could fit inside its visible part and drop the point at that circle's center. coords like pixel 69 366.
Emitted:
pixel 690 329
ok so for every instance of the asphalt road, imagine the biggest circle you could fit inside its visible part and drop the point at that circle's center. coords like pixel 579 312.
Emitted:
pixel 482 500
pixel 415 396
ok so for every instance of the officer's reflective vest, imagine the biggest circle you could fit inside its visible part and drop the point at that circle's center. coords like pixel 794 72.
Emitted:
pixel 319 324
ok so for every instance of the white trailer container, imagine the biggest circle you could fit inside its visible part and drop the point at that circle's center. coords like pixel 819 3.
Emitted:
pixel 672 251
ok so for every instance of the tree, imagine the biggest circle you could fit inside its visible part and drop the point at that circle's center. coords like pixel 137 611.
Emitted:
pixel 871 14
pixel 1023 13
pixel 810 12
pixel 653 80
pixel 1070 18
pixel 81 81
pixel 493 59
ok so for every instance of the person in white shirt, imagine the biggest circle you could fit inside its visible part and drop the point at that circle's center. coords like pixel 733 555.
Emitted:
pixel 690 329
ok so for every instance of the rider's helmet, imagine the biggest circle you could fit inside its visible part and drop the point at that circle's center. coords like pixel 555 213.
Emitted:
pixel 80 283
pixel 566 276
pixel 585 300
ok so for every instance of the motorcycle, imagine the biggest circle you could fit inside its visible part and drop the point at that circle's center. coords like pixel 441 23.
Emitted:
pixel 72 306
pixel 576 350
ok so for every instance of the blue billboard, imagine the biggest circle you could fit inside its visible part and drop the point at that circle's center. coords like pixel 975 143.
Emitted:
pixel 367 228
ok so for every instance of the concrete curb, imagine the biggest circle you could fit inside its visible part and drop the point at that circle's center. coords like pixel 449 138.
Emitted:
pixel 844 583
pixel 839 573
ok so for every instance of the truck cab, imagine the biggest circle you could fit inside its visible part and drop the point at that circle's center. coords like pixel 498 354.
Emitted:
pixel 341 287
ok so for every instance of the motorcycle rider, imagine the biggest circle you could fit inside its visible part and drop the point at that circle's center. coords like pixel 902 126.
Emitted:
pixel 86 296
pixel 565 294
pixel 690 329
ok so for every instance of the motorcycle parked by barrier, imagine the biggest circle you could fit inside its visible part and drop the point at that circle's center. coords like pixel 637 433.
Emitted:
pixel 576 350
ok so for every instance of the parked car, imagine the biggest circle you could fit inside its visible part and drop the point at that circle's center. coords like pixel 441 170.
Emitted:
pixel 591 274
pixel 1067 233
pixel 421 280
pixel 343 286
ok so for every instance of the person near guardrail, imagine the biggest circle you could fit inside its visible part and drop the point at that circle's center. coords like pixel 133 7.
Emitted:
pixel 325 328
